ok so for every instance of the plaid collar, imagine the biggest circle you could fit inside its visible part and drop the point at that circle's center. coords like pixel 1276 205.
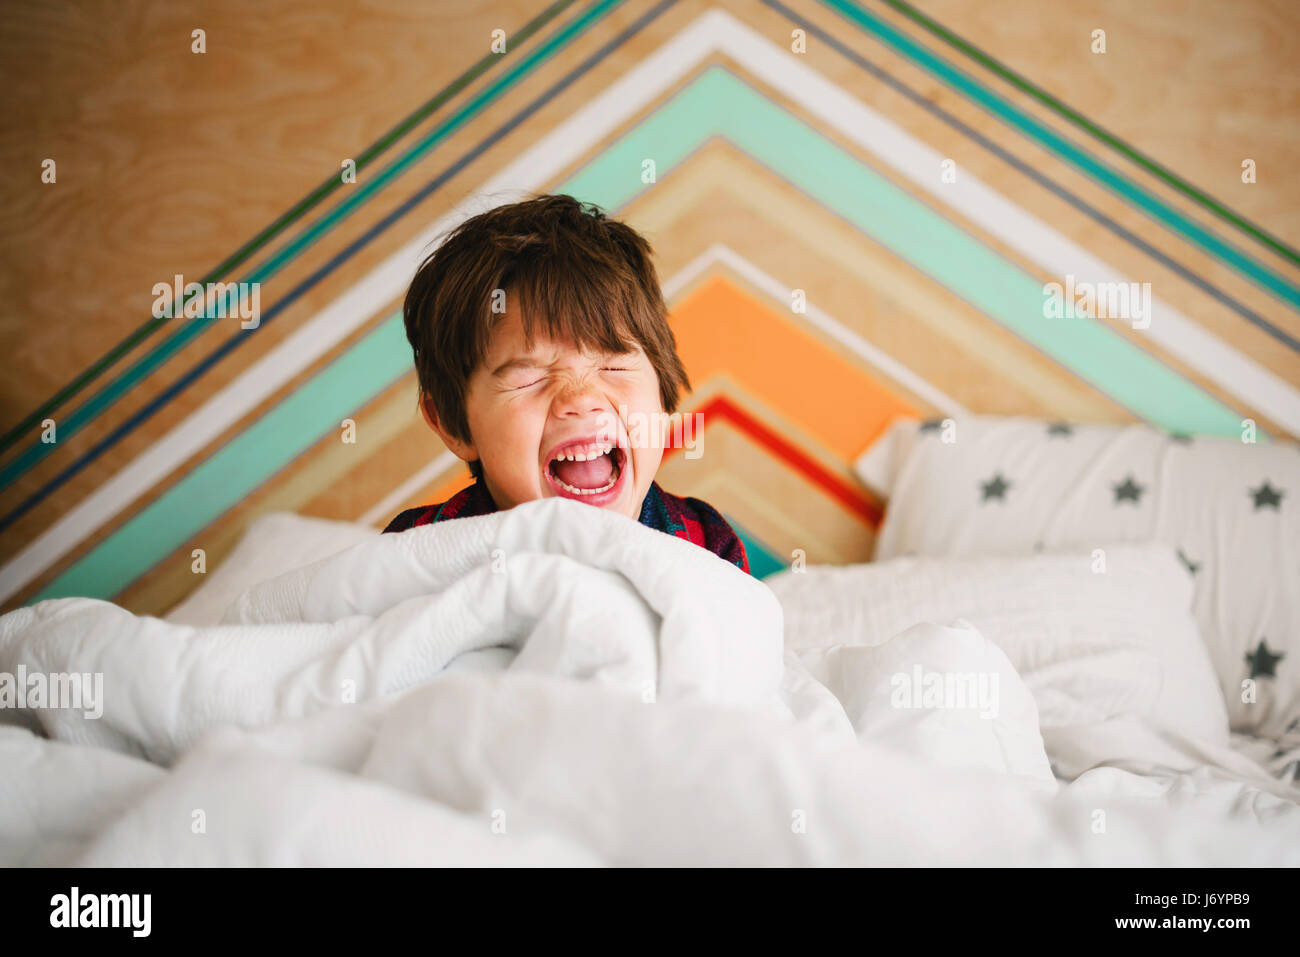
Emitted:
pixel 476 500
pixel 688 518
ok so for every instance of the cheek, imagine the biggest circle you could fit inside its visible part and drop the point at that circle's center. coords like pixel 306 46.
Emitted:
pixel 507 435
pixel 645 463
pixel 647 404
pixel 643 395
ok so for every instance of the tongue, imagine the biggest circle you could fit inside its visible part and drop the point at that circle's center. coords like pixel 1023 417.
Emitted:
pixel 593 473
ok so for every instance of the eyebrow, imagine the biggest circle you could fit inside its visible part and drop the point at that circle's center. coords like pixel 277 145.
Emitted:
pixel 532 362
pixel 519 362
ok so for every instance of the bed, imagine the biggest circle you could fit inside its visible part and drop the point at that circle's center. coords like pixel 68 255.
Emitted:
pixel 1075 646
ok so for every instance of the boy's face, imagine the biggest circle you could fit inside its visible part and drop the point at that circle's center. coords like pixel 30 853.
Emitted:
pixel 533 411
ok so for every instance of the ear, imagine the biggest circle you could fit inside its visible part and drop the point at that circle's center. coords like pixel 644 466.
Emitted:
pixel 465 451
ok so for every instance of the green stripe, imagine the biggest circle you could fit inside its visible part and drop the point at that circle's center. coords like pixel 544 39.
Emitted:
pixel 193 327
pixel 1191 230
pixel 1082 122
pixel 231 474
pixel 715 102
pixel 305 205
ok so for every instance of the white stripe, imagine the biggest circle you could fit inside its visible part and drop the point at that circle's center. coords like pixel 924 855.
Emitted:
pixel 391 503
pixel 816 317
pixel 715 30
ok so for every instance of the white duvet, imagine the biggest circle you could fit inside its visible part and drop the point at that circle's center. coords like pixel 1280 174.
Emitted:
pixel 555 684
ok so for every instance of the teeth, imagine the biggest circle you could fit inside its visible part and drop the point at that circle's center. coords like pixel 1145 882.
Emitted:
pixel 593 452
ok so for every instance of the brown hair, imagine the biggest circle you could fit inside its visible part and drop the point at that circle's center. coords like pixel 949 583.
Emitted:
pixel 586 278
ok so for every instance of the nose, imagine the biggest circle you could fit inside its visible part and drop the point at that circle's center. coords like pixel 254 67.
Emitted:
pixel 579 397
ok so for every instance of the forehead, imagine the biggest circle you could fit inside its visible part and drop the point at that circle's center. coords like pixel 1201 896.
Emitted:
pixel 507 336
pixel 507 340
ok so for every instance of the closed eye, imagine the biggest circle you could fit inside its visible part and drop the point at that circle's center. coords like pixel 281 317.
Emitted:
pixel 613 369
pixel 528 384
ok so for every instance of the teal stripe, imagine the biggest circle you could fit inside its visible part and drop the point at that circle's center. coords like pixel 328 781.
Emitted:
pixel 1067 151
pixel 224 480
pixel 762 562
pixel 716 102
pixel 173 344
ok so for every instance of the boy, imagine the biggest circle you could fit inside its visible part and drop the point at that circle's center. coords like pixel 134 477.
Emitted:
pixel 539 333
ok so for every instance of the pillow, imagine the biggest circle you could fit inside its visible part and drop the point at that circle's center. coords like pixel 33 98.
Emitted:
pixel 273 544
pixel 940 693
pixel 1091 637
pixel 986 485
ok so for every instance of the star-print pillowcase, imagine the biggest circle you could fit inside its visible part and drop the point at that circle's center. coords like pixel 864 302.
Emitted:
pixel 1088 646
pixel 986 485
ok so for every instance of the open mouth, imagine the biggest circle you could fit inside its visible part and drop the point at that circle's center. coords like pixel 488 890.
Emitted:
pixel 589 472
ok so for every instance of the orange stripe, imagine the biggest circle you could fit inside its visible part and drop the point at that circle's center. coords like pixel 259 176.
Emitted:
pixel 722 329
